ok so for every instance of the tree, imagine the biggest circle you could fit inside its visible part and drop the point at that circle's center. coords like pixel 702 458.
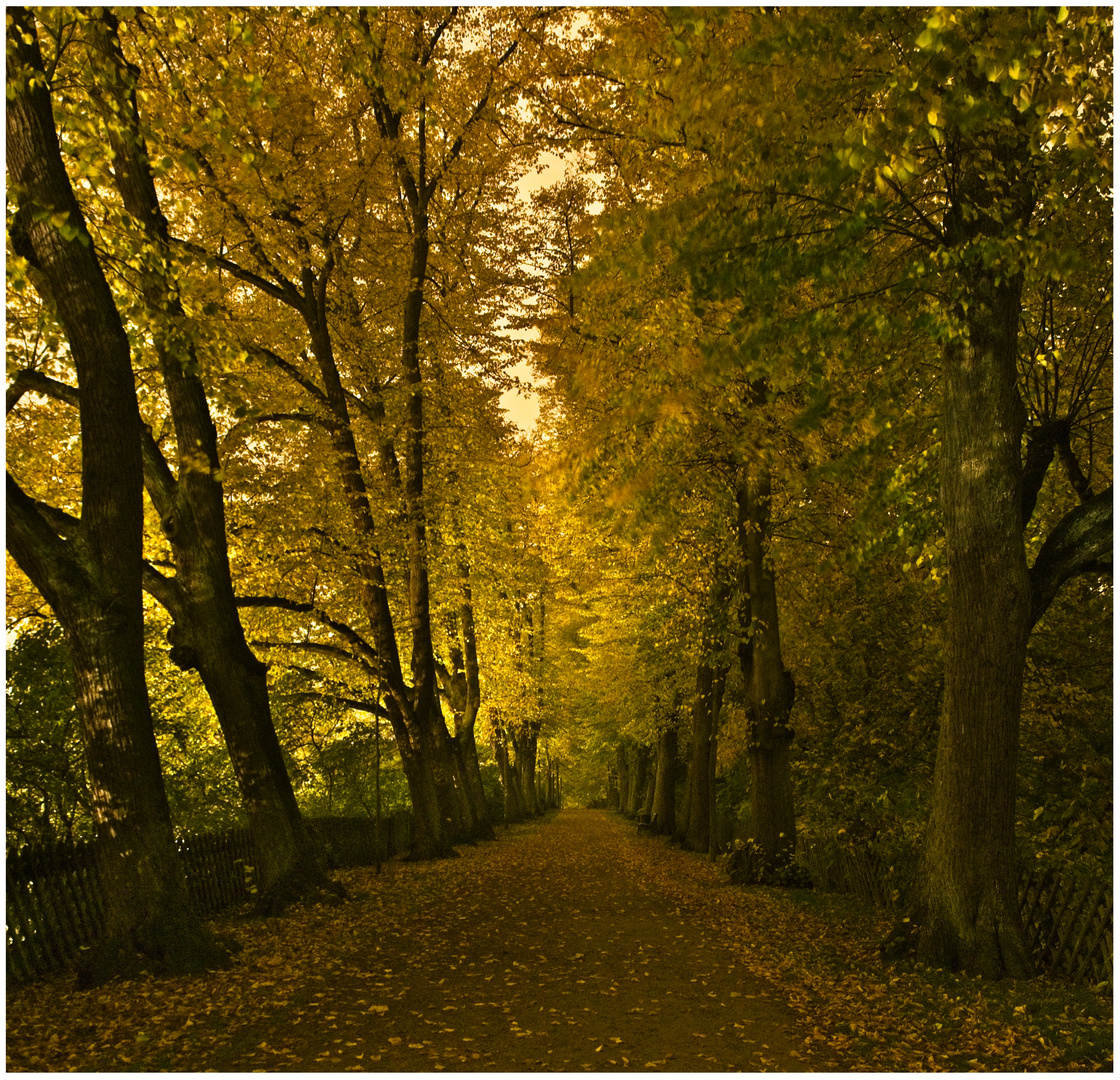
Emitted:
pixel 966 905
pixel 949 176
pixel 89 570
pixel 47 791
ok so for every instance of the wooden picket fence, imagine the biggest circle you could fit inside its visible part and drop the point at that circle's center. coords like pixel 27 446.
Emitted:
pixel 1068 922
pixel 55 905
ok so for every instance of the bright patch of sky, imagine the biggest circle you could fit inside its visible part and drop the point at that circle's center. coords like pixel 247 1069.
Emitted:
pixel 521 404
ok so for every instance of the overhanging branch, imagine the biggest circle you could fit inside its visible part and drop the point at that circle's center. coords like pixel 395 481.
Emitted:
pixel 1081 543
pixel 366 654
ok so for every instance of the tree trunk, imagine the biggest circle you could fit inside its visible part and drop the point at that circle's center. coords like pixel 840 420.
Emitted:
pixel 966 906
pixel 663 819
pixel 684 818
pixel 705 717
pixel 208 634
pixel 640 781
pixel 612 788
pixel 465 733
pixel 647 802
pixel 93 579
pixel 525 758
pixel 438 750
pixel 514 804
pixel 769 686
pixel 622 765
pixel 460 686
pixel 428 836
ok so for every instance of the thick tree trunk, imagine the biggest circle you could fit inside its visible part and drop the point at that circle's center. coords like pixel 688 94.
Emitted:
pixel 769 687
pixel 428 836
pixel 290 863
pixel 439 752
pixel 93 579
pixel 966 908
pixel 663 814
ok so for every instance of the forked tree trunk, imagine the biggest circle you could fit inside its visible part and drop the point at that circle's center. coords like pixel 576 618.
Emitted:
pixel 428 769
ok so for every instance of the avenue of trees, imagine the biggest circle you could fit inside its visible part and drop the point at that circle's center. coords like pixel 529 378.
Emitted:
pixel 814 531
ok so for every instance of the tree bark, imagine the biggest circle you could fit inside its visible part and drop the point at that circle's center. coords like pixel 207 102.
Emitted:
pixel 459 683
pixel 613 802
pixel 93 579
pixel 640 780
pixel 650 785
pixel 466 733
pixel 513 803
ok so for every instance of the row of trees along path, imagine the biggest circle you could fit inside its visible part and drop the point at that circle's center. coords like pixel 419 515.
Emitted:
pixel 570 943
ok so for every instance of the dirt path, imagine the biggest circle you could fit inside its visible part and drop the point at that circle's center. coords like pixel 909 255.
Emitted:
pixel 553 948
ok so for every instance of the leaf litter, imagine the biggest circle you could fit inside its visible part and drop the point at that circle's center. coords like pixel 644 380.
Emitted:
pixel 569 944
